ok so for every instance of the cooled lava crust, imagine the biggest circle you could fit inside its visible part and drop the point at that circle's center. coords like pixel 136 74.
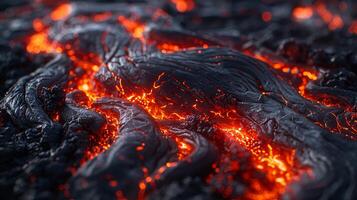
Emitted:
pixel 178 99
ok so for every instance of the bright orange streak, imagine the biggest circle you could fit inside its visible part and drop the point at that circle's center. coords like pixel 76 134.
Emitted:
pixel 172 48
pixel 184 5
pixel 102 16
pixel 303 13
pixel 168 47
pixel 61 12
pixel 134 27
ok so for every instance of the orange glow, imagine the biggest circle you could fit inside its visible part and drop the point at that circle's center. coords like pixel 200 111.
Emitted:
pixel 84 87
pixel 147 100
pixel 336 23
pixel 303 13
pixel 267 157
pixel 172 48
pixel 165 47
pixel 39 43
pixel 38 25
pixel 184 147
pixel 134 27
pixel 56 117
pixel 61 12
pixel 102 16
pixel 333 21
pixel 353 27
pixel 266 16
pixel 310 75
pixel 184 5
pixel 277 163
pixel 113 183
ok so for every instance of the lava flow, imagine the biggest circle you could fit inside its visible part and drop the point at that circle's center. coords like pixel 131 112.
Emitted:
pixel 275 163
pixel 163 101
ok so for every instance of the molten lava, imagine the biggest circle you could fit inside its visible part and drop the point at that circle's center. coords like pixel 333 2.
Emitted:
pixel 135 28
pixel 61 12
pixel 183 5
pixel 303 13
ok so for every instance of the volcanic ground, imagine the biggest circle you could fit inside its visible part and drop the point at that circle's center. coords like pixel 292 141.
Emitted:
pixel 178 99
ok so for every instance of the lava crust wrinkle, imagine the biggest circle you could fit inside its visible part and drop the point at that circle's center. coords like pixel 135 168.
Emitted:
pixel 273 113
pixel 124 164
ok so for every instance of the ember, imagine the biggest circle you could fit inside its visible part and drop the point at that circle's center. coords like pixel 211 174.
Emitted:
pixel 178 99
pixel 303 13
